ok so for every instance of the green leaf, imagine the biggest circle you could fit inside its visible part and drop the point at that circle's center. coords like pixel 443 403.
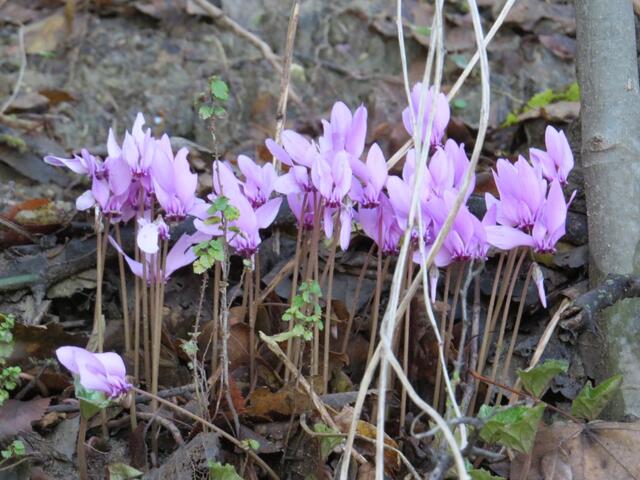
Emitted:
pixel 219 204
pixel 459 103
pixel 537 379
pixel 223 472
pixel 425 31
pixel 122 471
pixel 205 112
pixel 590 401
pixel 219 111
pixel 327 444
pixel 219 89
pixel 251 443
pixel 481 474
pixel 514 427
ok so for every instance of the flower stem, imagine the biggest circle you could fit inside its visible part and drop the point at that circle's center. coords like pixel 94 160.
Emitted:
pixel 123 294
pixel 81 451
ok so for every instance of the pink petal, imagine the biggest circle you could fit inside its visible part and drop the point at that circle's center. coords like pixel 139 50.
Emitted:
pixel 278 152
pixel 358 132
pixel 85 201
pixel 267 213
pixel 507 238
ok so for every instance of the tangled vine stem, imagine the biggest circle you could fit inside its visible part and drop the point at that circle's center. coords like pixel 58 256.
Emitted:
pixel 383 353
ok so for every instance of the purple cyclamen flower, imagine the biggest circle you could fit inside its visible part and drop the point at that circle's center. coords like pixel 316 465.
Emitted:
pixel 110 180
pixel 307 201
pixel 547 229
pixel 345 132
pixel 331 174
pixel 557 162
pixel 345 214
pixel 180 255
pixel 400 193
pixel 295 149
pixel 467 239
pixel 259 180
pixel 101 372
pixel 138 151
pixel 243 234
pixel 522 193
pixel 380 224
pixel 374 175
pixel 174 184
pixel 441 118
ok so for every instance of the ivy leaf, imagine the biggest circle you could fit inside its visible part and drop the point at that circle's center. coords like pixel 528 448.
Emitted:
pixel 219 205
pixel 590 401
pixel 205 112
pixel 482 474
pixel 219 89
pixel 514 427
pixel 223 472
pixel 327 443
pixel 537 379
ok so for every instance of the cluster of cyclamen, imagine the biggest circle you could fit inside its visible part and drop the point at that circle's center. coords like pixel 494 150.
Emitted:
pixel 327 185
pixel 127 184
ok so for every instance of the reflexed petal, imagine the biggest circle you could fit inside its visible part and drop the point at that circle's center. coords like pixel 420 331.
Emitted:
pixel 267 213
pixel 377 167
pixel 75 164
pixel 507 238
pixel 278 152
pixel 296 146
pixel 181 254
pixel 345 229
pixel 113 148
pixel 119 175
pixel 287 184
pixel 147 238
pixel 538 278
pixel 67 357
pixel 357 132
pixel 340 124
pixel 85 201
pixel 113 364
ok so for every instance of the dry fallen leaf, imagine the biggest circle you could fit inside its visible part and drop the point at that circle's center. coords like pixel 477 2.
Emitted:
pixel 595 451
pixel 17 416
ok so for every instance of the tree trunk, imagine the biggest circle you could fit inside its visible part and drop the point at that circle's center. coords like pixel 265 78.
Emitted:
pixel 607 66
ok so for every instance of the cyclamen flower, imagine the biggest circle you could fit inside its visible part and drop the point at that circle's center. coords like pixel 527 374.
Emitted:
pixel 400 193
pixel 242 233
pixel 138 150
pixel 522 193
pixel 380 224
pixel 101 372
pixel 557 162
pixel 440 120
pixel 259 180
pixel 331 174
pixel 345 132
pixel 174 184
pixel 467 239
pixel 295 149
pixel 547 229
pixel 345 214
pixel 110 180
pixel 374 176
pixel 307 201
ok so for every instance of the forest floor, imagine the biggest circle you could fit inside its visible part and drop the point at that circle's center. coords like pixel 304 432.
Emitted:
pixel 94 66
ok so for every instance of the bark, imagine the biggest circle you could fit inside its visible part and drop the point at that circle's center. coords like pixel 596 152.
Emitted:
pixel 610 108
